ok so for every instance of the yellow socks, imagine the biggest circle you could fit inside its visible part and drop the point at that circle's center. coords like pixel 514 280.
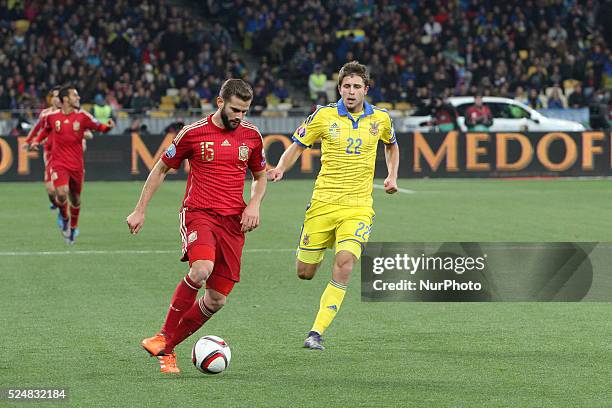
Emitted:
pixel 330 305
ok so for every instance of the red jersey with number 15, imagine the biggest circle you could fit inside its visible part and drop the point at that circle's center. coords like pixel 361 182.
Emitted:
pixel 65 131
pixel 218 159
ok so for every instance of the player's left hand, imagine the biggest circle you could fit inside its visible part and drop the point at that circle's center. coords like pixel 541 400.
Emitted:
pixel 249 219
pixel 87 135
pixel 390 185
pixel 111 123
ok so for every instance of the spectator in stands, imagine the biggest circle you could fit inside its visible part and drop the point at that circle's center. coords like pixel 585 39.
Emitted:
pixel 183 103
pixel 141 102
pixel 478 117
pixel 432 28
pixel 220 36
pixel 280 91
pixel 102 110
pixel 259 103
pixel 374 92
pixel 534 99
pixel 443 115
pixel 5 99
pixel 577 100
pixel 317 83
pixel 556 100
pixel 520 95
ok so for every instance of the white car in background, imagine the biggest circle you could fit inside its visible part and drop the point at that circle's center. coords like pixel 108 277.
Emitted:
pixel 508 116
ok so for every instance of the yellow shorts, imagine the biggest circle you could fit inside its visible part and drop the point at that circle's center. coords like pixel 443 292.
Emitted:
pixel 327 224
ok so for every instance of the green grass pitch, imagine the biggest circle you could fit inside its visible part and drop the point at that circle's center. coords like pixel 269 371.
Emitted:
pixel 76 320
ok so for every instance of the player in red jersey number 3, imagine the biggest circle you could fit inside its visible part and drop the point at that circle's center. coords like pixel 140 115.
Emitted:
pixel 213 217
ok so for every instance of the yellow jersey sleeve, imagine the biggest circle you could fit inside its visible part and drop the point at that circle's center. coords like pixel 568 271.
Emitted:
pixel 311 129
pixel 388 134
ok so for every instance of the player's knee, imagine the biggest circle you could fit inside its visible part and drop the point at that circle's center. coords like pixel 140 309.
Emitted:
pixel 343 264
pixel 306 271
pixel 200 271
pixel 215 303
pixel 75 200
pixel 61 197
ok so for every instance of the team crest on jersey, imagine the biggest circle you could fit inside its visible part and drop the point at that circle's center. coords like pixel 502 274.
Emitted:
pixel 243 152
pixel 334 131
pixel 192 237
pixel 306 239
pixel 76 126
pixel 58 125
pixel 374 128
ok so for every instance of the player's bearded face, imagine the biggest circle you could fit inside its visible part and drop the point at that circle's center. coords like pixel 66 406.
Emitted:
pixel 233 112
pixel 353 92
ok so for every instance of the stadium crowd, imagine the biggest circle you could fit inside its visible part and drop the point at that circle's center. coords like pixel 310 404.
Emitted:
pixel 536 50
pixel 547 53
pixel 130 52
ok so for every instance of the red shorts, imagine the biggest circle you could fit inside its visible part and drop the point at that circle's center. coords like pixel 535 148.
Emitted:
pixel 73 178
pixel 213 237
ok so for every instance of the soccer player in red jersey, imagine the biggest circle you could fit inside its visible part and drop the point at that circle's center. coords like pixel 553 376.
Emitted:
pixel 66 129
pixel 213 217
pixel 54 106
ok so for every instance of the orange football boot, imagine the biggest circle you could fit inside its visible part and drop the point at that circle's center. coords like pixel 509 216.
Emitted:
pixel 167 364
pixel 154 345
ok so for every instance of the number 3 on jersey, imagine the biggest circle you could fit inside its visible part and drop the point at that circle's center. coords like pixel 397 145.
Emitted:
pixel 354 144
pixel 208 153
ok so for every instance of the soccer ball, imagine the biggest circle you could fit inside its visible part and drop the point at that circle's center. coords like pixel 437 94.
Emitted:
pixel 211 355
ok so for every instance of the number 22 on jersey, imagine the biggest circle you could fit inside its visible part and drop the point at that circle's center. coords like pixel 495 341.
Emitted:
pixel 353 145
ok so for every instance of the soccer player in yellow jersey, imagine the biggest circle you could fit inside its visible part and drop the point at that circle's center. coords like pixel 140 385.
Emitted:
pixel 340 213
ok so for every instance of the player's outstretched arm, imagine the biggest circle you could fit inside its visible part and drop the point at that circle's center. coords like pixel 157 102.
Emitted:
pixel 136 219
pixel 392 159
pixel 286 161
pixel 250 215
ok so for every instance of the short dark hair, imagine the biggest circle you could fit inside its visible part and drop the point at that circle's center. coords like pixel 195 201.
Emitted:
pixel 55 88
pixel 64 91
pixel 354 68
pixel 236 87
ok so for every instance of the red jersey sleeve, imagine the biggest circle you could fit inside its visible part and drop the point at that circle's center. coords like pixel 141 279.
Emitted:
pixel 179 150
pixel 45 130
pixel 35 129
pixel 89 122
pixel 257 161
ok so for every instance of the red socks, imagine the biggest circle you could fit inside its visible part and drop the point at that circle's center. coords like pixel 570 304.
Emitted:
pixel 74 216
pixel 182 299
pixel 192 320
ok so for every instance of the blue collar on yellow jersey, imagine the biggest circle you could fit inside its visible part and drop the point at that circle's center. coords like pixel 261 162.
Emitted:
pixel 368 110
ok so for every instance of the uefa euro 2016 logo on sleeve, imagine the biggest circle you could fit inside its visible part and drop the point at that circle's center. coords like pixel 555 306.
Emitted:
pixel 171 151
pixel 483 272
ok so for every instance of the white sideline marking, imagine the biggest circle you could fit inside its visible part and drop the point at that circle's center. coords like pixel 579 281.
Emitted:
pixel 129 252
pixel 399 189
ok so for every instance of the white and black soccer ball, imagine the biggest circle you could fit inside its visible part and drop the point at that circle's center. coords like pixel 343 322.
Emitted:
pixel 211 355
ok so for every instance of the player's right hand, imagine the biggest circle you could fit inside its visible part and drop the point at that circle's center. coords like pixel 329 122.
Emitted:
pixel 34 146
pixel 274 174
pixel 135 221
